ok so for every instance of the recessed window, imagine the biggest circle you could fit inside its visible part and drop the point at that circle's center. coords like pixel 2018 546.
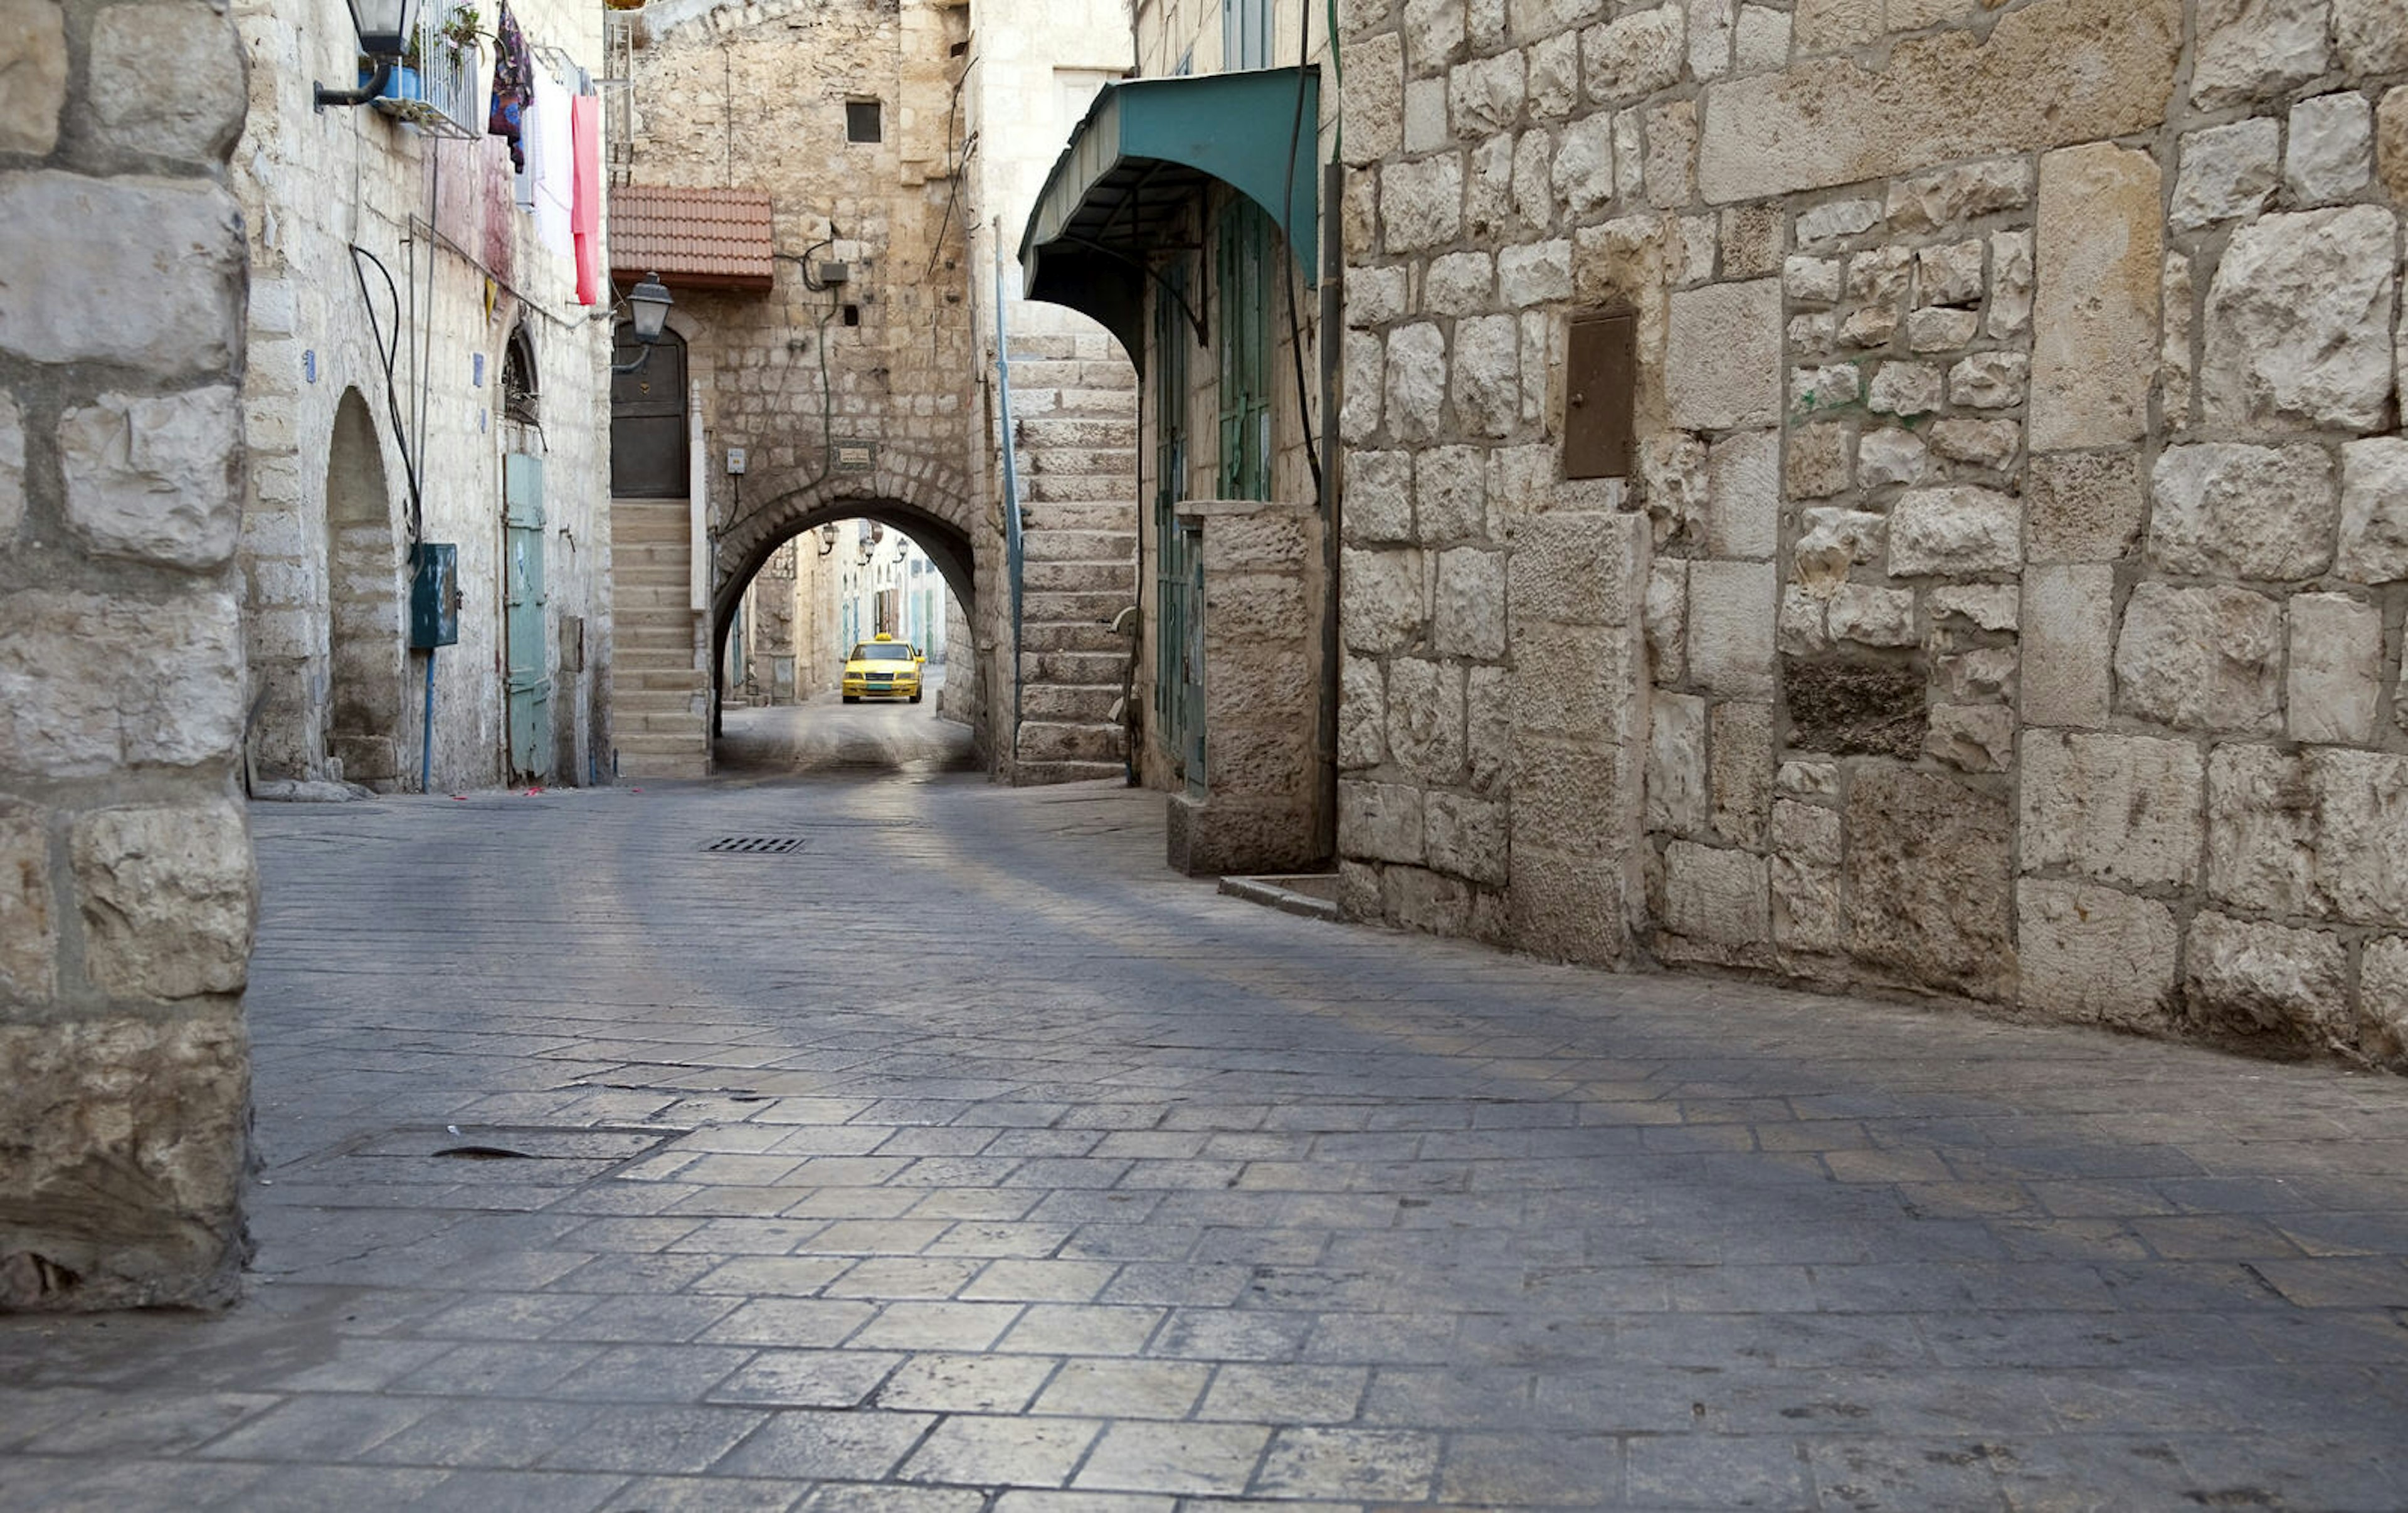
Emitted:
pixel 861 123
pixel 852 315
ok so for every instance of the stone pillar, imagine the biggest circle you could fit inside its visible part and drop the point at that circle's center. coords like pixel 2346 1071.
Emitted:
pixel 126 888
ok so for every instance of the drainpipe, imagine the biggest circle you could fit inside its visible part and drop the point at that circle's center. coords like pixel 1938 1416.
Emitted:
pixel 1333 464
pixel 1011 539
pixel 697 525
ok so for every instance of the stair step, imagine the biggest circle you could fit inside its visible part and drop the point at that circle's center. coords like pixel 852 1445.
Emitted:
pixel 1072 667
pixel 1071 636
pixel 1034 774
pixel 1082 546
pixel 1048 741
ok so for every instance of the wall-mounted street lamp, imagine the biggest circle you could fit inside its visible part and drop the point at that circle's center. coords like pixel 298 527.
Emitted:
pixel 648 310
pixel 827 537
pixel 384 27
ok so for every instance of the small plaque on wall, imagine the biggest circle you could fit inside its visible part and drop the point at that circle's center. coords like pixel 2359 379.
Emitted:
pixel 1600 394
pixel 852 457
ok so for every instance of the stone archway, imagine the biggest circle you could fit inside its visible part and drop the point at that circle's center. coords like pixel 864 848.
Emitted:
pixel 364 656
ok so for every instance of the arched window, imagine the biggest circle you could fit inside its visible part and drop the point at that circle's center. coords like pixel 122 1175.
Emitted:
pixel 647 453
pixel 521 387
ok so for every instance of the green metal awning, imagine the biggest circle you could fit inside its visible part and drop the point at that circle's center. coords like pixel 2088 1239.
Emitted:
pixel 1146 149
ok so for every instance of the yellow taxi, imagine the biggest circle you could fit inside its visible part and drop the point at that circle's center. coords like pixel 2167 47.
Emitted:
pixel 882 668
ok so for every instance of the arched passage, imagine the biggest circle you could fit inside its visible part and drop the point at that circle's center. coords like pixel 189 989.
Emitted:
pixel 366 660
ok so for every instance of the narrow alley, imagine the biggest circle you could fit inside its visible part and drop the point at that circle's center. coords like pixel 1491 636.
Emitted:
pixel 907 1143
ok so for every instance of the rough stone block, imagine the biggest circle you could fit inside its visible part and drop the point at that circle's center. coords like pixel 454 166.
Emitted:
pixel 2081 507
pixel 1908 389
pixel 155 478
pixel 1374 99
pixel 2336 670
pixel 1569 908
pixel 1820 462
pixel 1421 202
pixel 1739 769
pixel 1676 764
pixel 2197 658
pixel 1459 283
pixel 2297 323
pixel 2093 954
pixel 1450 495
pixel 2242 511
pixel 1426 719
pixel 12 470
pixel 1667 619
pixel 167 898
pixel 1380 821
pixel 1583 172
pixel 1575 569
pixel 1362 714
pixel 1937 329
pixel 1947 196
pixel 1991 380
pixel 128 1137
pixel 1990 444
pixel 1871 616
pixel 2254 978
pixel 2255 50
pixel 1724 356
pixel 1986 606
pixel 143 272
pixel 134 48
pixel 1569 798
pixel 2260 829
pixel 32 75
pixel 2069 624
pixel 1771 134
pixel 90 684
pixel 1806 914
pixel 1930 895
pixel 2362 860
pixel 1972 738
pixel 2226 172
pixel 2012 278
pixel 1637 55
pixel 28 934
pixel 1380 599
pixel 1465 837
pixel 1717 895
pixel 1468 618
pixel 2391 143
pixel 1806 832
pixel 1488 375
pixel 1378 497
pixel 1730 620
pixel 1415 382
pixel 1743 495
pixel 2332 155
pixel 2382 1001
pixel 1535 275
pixel 1891 455
pixel 2095 327
pixel 1488 727
pixel 2120 809
pixel 1854 708
pixel 2375 511
pixel 1952 530
pixel 1425 900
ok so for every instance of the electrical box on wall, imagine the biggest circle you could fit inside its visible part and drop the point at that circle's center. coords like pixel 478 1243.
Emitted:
pixel 435 596
pixel 1600 394
pixel 735 460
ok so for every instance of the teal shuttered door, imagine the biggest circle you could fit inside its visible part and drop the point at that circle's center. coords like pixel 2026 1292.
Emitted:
pixel 527 679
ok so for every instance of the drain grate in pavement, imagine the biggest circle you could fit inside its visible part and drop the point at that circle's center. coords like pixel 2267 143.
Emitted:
pixel 755 845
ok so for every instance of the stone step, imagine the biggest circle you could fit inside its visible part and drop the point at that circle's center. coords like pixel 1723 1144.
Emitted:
pixel 1074 667
pixel 1042 516
pixel 688 742
pixel 1048 741
pixel 666 521
pixel 1057 604
pixel 1069 635
pixel 1074 703
pixel 1077 431
pixel 1035 774
pixel 626 679
pixel 1114 462
pixel 1037 577
pixel 1046 488
pixel 638 766
pixel 1079 546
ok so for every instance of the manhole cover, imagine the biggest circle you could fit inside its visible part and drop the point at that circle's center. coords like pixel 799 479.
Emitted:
pixel 755 845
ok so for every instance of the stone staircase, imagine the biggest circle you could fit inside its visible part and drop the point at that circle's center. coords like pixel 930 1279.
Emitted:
pixel 1074 401
pixel 659 698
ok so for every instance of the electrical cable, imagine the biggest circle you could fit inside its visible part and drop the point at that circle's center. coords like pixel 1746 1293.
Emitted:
pixel 1288 263
pixel 389 352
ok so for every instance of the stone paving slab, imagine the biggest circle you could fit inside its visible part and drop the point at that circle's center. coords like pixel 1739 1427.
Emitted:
pixel 965 1158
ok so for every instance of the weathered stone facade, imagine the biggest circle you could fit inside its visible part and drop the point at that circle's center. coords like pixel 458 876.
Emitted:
pixel 490 354
pixel 2018 498
pixel 126 890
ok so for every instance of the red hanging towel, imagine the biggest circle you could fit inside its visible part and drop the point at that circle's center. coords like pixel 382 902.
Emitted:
pixel 586 206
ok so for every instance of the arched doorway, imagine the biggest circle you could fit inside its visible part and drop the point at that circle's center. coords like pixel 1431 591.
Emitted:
pixel 366 660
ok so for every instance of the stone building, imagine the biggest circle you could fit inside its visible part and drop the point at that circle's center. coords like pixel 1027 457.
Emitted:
pixel 127 889
pixel 1184 216
pixel 422 370
pixel 810 177
pixel 1896 498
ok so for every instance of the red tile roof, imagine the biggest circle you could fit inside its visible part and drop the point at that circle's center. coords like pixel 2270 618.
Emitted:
pixel 714 238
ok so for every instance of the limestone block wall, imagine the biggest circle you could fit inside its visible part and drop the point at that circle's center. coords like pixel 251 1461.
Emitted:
pixel 327 526
pixel 2018 487
pixel 126 888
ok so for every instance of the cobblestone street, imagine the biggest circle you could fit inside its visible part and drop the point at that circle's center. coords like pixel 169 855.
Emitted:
pixel 960 1156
